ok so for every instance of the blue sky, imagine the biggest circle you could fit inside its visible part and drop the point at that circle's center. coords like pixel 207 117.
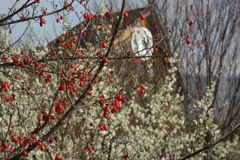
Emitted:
pixel 51 29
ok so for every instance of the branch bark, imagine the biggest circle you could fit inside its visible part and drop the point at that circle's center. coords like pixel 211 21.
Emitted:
pixel 213 144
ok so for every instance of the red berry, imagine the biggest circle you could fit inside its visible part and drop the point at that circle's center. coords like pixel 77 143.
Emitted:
pixel 118 105
pixel 90 149
pixel 24 153
pixel 58 20
pixel 81 84
pixel 74 89
pixel 60 99
pixel 44 112
pixel 22 63
pixel 155 49
pixel 113 110
pixel 98 53
pixel 101 102
pixel 58 40
pixel 135 61
pixel 90 93
pixel 5 145
pixel 39 118
pixel 106 109
pixel 90 17
pixel 105 127
pixel 36 64
pixel 2 149
pixel 62 86
pixel 188 41
pixel 25 143
pixel 142 17
pixel 103 96
pixel 14 138
pixel 50 140
pixel 105 115
pixel 44 12
pixel 6 60
pixel 64 103
pixel 156 38
pixel 105 60
pixel 16 77
pixel 125 157
pixel 110 80
pixel 66 35
pixel 45 117
pixel 142 91
pixel 168 59
pixel 101 127
pixel 166 54
pixel 39 143
pixel 191 23
pixel 20 137
pixel 119 97
pixel 22 53
pixel 61 17
pixel 85 15
pixel 75 40
pixel 84 34
pixel 20 143
pixel 142 87
pixel 53 117
pixel 104 45
pixel 31 138
pixel 42 21
pixel 64 71
pixel 125 14
pixel 58 108
pixel 42 148
pixel 108 14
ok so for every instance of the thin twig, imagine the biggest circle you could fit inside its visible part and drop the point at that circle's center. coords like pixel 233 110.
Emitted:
pixel 213 144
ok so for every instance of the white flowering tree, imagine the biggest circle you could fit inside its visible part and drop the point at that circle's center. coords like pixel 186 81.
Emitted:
pixel 208 61
pixel 65 102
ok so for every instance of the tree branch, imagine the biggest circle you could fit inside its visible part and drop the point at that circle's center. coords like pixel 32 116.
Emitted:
pixel 30 18
pixel 213 144
pixel 71 109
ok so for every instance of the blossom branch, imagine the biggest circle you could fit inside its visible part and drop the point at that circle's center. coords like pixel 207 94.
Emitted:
pixel 29 18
